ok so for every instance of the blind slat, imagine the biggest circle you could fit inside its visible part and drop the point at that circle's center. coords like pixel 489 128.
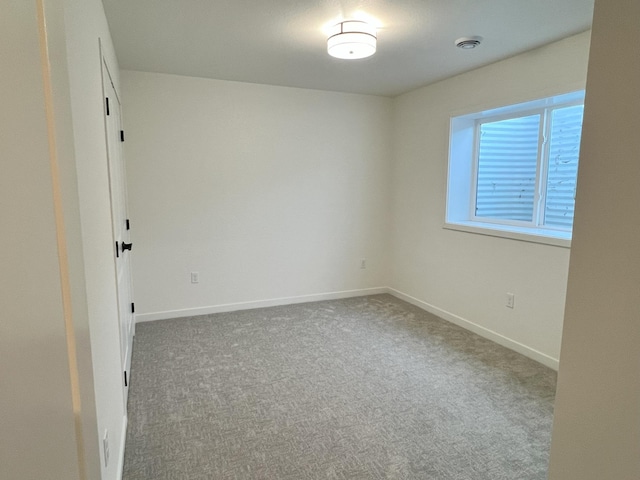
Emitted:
pixel 562 170
pixel 507 164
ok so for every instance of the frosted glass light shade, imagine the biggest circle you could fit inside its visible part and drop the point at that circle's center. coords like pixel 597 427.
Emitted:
pixel 352 39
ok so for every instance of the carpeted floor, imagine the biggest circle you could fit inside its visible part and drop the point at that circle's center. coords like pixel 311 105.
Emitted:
pixel 361 388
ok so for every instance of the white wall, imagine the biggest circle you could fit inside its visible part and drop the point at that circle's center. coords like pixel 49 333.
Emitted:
pixel 199 153
pixel 268 192
pixel 596 432
pixel 85 24
pixel 463 276
pixel 47 425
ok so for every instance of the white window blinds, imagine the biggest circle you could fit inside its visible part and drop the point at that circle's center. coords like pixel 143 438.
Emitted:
pixel 507 165
pixel 527 167
pixel 562 173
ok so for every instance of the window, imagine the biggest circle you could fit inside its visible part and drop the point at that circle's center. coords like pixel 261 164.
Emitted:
pixel 513 170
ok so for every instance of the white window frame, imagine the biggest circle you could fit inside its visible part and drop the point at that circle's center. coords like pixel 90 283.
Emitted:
pixel 463 170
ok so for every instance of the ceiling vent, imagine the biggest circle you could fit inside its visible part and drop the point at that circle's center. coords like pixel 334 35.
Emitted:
pixel 467 43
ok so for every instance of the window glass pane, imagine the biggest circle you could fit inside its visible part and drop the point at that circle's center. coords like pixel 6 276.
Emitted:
pixel 564 149
pixel 507 163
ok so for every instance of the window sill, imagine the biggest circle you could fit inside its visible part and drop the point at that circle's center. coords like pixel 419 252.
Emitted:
pixel 524 234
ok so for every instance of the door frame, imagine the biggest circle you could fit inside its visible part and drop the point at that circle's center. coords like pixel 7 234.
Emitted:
pixel 124 285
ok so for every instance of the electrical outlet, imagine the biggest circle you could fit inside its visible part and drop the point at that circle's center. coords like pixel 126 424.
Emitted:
pixel 195 277
pixel 105 448
pixel 511 299
pixel 363 263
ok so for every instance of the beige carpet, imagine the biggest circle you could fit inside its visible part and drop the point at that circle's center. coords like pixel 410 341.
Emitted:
pixel 361 388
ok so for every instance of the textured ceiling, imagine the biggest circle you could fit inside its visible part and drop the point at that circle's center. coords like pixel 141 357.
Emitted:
pixel 283 42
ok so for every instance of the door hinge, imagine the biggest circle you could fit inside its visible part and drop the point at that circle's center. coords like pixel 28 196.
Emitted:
pixel 117 250
pixel 108 106
pixel 133 307
pixel 122 135
pixel 128 224
pixel 125 378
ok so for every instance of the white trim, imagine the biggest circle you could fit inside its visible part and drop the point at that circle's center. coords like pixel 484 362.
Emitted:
pixel 463 166
pixel 524 234
pixel 482 331
pixel 123 439
pixel 230 307
pixel 443 314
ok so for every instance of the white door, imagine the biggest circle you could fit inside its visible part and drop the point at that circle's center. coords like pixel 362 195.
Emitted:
pixel 121 226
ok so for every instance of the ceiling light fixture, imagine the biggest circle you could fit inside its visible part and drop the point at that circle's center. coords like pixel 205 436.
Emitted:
pixel 467 43
pixel 351 40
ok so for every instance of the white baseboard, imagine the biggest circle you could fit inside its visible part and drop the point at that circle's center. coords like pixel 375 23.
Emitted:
pixel 122 446
pixel 231 307
pixel 482 331
pixel 462 322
